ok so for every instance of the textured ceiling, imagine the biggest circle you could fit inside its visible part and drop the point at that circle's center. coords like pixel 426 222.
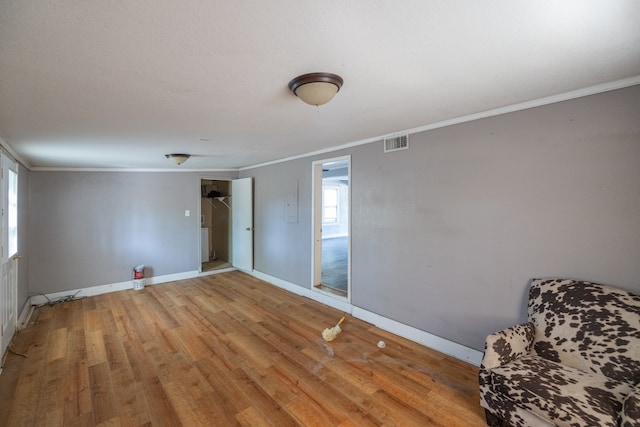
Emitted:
pixel 118 84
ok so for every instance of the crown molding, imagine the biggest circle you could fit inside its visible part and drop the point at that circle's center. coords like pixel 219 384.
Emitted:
pixel 548 100
pixel 55 169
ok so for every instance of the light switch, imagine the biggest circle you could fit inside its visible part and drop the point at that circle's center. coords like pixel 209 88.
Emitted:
pixel 187 212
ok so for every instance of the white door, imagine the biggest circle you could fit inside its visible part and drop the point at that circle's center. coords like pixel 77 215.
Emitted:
pixel 9 251
pixel 242 223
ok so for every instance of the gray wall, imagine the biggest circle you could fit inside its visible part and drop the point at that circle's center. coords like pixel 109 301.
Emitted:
pixel 92 228
pixel 282 249
pixel 447 235
pixel 23 236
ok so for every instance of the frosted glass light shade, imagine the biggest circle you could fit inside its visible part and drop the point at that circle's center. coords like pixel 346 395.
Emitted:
pixel 178 159
pixel 316 88
pixel 317 93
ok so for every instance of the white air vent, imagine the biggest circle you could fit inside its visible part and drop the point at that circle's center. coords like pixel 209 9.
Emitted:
pixel 396 143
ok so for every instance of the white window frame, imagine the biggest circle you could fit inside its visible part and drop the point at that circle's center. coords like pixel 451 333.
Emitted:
pixel 335 189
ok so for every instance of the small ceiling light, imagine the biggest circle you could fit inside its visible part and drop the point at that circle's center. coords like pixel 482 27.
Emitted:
pixel 178 159
pixel 316 88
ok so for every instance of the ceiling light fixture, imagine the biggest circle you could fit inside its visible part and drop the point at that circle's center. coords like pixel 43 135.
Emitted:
pixel 316 88
pixel 178 159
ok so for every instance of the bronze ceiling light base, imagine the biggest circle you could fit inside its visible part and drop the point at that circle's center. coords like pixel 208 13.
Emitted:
pixel 316 88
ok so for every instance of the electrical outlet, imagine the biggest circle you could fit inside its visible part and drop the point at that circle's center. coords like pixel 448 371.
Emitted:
pixel 187 212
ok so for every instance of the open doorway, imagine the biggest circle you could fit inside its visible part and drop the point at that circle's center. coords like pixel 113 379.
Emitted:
pixel 215 224
pixel 332 221
pixel 226 227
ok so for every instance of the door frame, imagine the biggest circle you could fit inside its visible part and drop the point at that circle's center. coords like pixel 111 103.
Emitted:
pixel 231 226
pixel 9 262
pixel 316 226
pixel 199 208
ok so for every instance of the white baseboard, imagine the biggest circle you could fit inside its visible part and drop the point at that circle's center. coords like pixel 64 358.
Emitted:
pixel 222 270
pixel 112 287
pixel 320 297
pixel 435 342
pixel 24 316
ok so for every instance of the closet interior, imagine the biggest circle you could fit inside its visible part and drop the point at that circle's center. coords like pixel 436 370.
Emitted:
pixel 215 222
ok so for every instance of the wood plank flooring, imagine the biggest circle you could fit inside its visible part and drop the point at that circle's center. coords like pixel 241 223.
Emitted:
pixel 335 264
pixel 224 350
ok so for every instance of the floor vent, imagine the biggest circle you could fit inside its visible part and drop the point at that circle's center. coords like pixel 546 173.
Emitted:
pixel 396 143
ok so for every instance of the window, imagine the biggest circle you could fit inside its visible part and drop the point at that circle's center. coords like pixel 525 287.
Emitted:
pixel 330 204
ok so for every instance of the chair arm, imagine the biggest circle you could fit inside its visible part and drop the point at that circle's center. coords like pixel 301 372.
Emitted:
pixel 501 348
pixel 507 345
pixel 630 416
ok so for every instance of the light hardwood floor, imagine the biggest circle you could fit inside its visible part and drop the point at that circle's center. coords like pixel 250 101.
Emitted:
pixel 224 350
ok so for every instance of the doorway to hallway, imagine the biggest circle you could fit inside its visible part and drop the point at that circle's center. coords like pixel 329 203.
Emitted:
pixel 331 226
